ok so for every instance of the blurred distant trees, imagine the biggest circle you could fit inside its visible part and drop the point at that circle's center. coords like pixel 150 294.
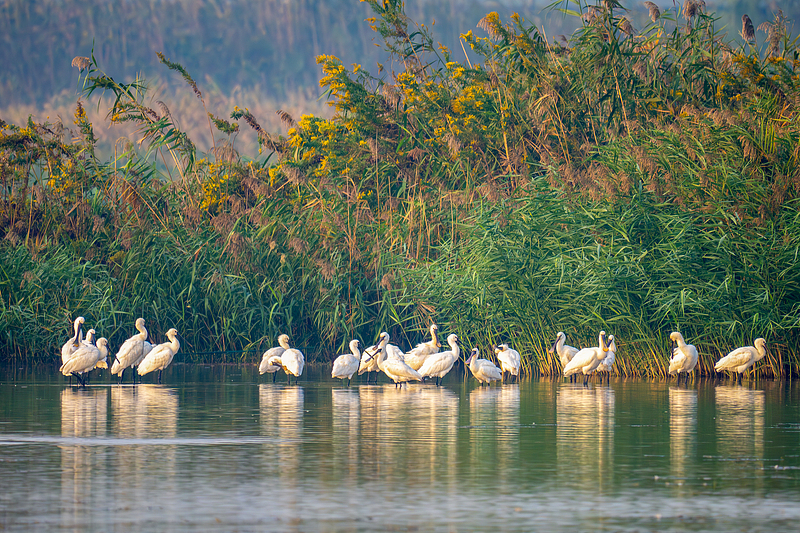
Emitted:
pixel 269 44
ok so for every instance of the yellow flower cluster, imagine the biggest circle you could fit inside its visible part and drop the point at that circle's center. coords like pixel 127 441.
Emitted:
pixel 472 98
pixel 216 187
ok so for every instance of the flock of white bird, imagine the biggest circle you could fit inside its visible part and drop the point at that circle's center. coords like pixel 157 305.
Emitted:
pixel 80 355
pixel 683 361
pixel 421 362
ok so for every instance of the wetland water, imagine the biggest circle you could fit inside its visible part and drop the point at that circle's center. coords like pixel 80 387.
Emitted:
pixel 218 448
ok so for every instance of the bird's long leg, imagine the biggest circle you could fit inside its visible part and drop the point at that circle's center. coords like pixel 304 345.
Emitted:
pixel 121 376
pixel 274 375
pixel 586 380
pixel 159 377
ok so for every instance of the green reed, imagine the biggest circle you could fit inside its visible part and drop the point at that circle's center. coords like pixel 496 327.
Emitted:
pixel 635 183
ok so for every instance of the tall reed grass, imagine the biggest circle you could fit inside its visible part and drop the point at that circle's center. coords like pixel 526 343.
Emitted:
pixel 635 181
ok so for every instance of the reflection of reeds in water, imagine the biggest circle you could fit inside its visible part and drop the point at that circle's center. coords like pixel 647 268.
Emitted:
pixel 740 426
pixel 682 429
pixel 494 437
pixel 281 415
pixel 84 415
pixel 409 432
pixel 585 434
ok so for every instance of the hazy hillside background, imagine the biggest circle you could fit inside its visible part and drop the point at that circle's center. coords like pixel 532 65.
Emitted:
pixel 267 46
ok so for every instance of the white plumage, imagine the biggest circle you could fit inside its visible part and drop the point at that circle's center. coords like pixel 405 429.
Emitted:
pixel 84 359
pixel 369 361
pixel 417 356
pixel 271 360
pixel 684 356
pixel 484 370
pixel 608 361
pixel 740 359
pixel 293 362
pixel 132 351
pixel 587 359
pixel 565 352
pixel 509 359
pixel 437 365
pixel 91 338
pixel 161 355
pixel 394 366
pixel 346 365
pixel 71 346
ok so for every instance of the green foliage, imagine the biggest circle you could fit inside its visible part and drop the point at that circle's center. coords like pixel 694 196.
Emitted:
pixel 635 181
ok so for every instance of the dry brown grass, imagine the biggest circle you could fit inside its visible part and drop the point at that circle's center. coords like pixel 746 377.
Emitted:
pixel 184 107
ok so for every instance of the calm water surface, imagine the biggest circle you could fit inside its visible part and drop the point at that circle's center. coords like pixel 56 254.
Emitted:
pixel 220 448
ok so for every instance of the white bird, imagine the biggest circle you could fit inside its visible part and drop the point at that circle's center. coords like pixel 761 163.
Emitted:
pixel 132 351
pixel 293 362
pixel 369 362
pixel 416 356
pixel 565 352
pixel 684 356
pixel 509 359
pixel 271 360
pixel 484 370
pixel 84 359
pixel 393 351
pixel 161 355
pixel 587 359
pixel 73 343
pixel 347 364
pixel 437 365
pixel 394 367
pixel 608 361
pixel 91 338
pixel 743 358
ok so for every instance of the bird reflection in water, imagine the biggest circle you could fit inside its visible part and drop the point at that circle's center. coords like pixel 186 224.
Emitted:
pixel 585 434
pixel 494 428
pixel 345 407
pixel 141 413
pixel 740 429
pixel 424 419
pixel 84 417
pixel 281 416
pixel 682 431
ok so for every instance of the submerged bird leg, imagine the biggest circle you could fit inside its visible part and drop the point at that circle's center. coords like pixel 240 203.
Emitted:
pixel 159 377
pixel 121 376
pixel 586 380
pixel 274 375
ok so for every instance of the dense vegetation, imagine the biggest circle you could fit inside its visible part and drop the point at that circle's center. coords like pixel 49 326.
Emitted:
pixel 638 180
